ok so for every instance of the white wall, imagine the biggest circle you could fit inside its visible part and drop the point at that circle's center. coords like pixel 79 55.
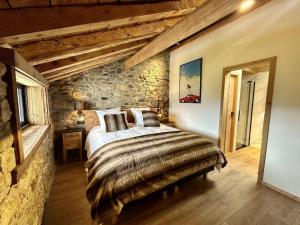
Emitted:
pixel 271 30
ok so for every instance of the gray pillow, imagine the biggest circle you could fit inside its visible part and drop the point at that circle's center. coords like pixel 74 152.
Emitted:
pixel 121 121
pixel 150 119
pixel 115 122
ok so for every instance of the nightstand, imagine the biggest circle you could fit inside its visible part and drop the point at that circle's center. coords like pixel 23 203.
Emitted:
pixel 72 139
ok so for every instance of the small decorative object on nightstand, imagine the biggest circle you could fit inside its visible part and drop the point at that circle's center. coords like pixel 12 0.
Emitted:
pixel 72 139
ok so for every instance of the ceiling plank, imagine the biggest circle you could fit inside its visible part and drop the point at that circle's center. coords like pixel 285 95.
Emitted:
pixel 44 48
pixel 204 16
pixel 66 53
pixel 55 22
pixel 193 3
pixel 50 68
pixel 90 65
pixel 63 2
pixel 87 2
pixel 28 3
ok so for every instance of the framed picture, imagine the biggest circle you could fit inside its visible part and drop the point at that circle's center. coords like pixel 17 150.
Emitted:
pixel 190 80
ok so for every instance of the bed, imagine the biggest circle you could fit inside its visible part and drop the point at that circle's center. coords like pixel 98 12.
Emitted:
pixel 127 165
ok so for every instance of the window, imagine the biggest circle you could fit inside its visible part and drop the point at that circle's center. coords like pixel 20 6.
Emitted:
pixel 22 104
pixel 27 95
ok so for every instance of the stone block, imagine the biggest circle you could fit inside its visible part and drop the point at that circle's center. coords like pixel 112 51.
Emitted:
pixel 5 112
pixel 5 129
pixel 5 182
pixel 6 142
pixel 2 69
pixel 3 86
pixel 7 160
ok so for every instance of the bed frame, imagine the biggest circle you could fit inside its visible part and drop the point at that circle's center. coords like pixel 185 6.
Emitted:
pixel 174 187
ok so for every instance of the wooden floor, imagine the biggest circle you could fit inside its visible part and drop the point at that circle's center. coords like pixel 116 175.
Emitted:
pixel 229 198
pixel 245 160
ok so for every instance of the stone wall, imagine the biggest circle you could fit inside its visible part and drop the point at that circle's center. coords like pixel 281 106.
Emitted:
pixel 22 203
pixel 112 86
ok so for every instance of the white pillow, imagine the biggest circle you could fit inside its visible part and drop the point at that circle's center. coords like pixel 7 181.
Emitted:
pixel 101 113
pixel 138 116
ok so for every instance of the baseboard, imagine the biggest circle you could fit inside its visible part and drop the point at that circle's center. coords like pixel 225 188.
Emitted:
pixel 289 195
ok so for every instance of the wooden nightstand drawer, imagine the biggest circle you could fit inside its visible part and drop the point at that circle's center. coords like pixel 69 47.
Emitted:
pixel 72 135
pixel 71 144
pixel 72 139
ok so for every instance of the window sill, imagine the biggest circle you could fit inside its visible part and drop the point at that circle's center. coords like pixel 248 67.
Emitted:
pixel 33 136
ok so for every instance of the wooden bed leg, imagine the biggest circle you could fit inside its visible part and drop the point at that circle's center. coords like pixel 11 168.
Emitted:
pixel 176 190
pixel 164 195
pixel 205 176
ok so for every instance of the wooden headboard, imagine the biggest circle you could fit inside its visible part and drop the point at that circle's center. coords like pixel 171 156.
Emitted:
pixel 92 120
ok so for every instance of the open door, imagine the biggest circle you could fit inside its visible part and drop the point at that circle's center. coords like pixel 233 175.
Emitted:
pixel 231 105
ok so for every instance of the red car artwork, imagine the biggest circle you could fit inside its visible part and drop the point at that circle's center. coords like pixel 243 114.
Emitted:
pixel 190 99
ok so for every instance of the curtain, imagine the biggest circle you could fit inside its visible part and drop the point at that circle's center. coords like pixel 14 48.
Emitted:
pixel 37 105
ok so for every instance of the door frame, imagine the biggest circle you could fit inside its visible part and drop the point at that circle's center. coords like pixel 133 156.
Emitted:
pixel 271 63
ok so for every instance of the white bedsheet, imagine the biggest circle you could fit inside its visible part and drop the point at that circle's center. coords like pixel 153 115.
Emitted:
pixel 97 137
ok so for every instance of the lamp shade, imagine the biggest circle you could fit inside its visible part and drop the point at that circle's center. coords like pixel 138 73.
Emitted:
pixel 79 105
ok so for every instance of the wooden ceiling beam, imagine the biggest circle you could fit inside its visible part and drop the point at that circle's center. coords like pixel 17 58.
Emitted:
pixel 20 26
pixel 209 13
pixel 43 48
pixel 50 68
pixel 71 52
pixel 89 64
pixel 193 3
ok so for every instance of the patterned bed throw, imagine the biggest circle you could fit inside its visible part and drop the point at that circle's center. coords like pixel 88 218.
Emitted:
pixel 126 170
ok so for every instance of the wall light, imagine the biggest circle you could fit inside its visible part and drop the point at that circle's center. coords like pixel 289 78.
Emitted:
pixel 247 4
pixel 79 106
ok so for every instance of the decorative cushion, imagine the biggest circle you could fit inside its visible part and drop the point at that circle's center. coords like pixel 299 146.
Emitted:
pixel 121 121
pixel 150 119
pixel 115 122
pixel 110 122
pixel 101 113
pixel 137 114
